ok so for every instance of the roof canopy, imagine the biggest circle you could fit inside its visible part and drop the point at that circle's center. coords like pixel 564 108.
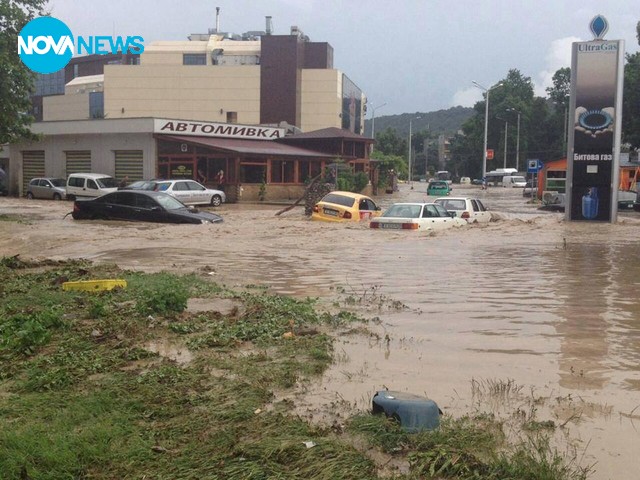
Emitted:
pixel 247 147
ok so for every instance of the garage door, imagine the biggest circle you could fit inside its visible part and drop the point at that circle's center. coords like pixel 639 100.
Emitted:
pixel 32 167
pixel 129 164
pixel 78 161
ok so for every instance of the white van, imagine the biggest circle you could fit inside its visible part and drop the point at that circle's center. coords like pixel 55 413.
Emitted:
pixel 514 181
pixel 90 185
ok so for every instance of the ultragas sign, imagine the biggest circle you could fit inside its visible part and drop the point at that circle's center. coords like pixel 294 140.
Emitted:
pixel 46 45
pixel 594 140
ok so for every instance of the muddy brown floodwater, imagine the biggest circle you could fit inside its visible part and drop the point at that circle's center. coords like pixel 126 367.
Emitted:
pixel 528 300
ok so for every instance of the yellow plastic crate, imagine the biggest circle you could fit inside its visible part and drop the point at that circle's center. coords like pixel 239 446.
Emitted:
pixel 95 285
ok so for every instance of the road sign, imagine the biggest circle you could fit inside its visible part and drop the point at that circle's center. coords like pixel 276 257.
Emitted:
pixel 534 165
pixel 489 154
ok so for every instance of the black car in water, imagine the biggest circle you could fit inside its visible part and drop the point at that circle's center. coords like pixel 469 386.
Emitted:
pixel 140 205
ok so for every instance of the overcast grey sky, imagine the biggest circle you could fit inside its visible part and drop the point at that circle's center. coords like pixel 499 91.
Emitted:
pixel 413 55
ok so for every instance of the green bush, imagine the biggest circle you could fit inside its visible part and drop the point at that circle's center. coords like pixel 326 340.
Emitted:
pixel 350 182
pixel 23 332
pixel 165 295
pixel 360 181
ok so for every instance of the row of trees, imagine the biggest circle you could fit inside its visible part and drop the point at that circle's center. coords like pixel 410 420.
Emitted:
pixel 543 126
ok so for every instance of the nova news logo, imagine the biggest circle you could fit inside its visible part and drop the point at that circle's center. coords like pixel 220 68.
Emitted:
pixel 46 45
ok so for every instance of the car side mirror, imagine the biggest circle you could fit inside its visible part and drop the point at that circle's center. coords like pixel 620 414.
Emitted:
pixel 378 209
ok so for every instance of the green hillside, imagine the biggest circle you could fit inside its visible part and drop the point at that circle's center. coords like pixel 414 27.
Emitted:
pixel 442 121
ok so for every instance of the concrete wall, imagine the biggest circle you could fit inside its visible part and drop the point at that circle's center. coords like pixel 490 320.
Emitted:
pixel 66 107
pixel 321 99
pixel 102 147
pixel 196 92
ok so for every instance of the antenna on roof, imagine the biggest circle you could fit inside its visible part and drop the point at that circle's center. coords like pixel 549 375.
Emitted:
pixel 217 19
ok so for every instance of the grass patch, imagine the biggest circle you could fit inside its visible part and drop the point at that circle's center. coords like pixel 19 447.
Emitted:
pixel 82 395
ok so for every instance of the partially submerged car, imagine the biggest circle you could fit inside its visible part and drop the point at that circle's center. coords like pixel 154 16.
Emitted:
pixel 140 205
pixel 416 216
pixel 438 187
pixel 345 207
pixel 470 209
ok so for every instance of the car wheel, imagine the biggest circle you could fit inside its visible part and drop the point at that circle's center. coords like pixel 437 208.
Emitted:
pixel 30 195
pixel 57 196
pixel 216 200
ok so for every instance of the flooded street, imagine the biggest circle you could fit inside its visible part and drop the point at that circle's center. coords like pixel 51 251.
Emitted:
pixel 549 305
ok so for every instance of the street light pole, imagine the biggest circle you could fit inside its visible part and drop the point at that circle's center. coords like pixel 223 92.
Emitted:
pixel 373 119
pixel 506 136
pixel 410 120
pixel 410 152
pixel 517 138
pixel 486 123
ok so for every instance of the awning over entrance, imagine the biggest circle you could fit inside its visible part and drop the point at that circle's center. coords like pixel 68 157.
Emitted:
pixel 247 147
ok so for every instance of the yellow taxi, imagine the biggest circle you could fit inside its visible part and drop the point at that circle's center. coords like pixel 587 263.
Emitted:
pixel 345 207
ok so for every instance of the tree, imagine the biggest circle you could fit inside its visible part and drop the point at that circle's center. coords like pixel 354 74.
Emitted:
pixel 561 90
pixel 387 163
pixel 16 80
pixel 390 143
pixel 631 101
pixel 515 93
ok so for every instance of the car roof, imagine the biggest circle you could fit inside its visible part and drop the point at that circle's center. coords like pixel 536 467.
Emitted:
pixel 413 203
pixel 457 198
pixel 90 175
pixel 357 196
pixel 174 180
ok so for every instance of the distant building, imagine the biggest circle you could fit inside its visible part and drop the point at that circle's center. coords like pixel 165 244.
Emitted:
pixel 53 84
pixel 444 152
pixel 252 78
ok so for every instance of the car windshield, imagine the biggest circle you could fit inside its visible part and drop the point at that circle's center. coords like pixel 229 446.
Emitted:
pixel 339 199
pixel 441 211
pixel 438 184
pixel 169 203
pixel 58 182
pixel 518 179
pixel 403 211
pixel 107 182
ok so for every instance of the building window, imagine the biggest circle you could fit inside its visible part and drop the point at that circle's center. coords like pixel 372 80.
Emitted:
pixel 308 170
pixel 75 70
pixel 194 59
pixel 282 171
pixel 232 117
pixel 50 83
pixel 96 105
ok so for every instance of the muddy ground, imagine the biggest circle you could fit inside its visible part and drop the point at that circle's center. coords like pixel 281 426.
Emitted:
pixel 545 309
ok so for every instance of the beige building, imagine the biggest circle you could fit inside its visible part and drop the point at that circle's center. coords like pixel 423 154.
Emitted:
pixel 266 79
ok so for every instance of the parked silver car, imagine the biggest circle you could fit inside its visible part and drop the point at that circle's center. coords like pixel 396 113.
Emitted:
pixel 49 188
pixel 191 192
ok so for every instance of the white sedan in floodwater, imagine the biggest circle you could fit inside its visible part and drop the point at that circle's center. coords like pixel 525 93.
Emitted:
pixel 470 209
pixel 416 216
